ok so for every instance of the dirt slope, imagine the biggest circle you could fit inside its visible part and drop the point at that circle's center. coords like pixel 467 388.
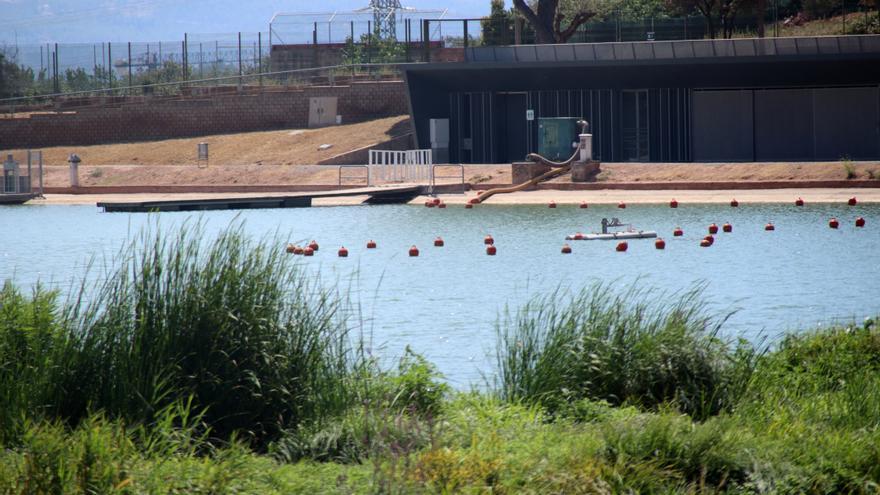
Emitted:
pixel 285 147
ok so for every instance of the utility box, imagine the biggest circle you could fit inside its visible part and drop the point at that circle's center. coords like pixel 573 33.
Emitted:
pixel 557 137
pixel 440 140
pixel 322 111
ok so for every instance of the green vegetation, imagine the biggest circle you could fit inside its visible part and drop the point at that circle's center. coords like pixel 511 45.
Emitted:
pixel 214 366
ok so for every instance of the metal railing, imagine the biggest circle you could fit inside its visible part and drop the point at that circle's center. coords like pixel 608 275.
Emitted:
pixel 337 75
pixel 459 175
pixel 356 177
pixel 401 166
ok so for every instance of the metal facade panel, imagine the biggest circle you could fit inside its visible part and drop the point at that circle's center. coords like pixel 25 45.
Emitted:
pixel 849 44
pixel 663 49
pixel 766 46
pixel 604 51
pixel 807 46
pixel 744 48
pixel 869 44
pixel 526 53
pixel 565 53
pixel 704 49
pixel 505 54
pixel 584 52
pixel 722 126
pixel 783 124
pixel 644 51
pixel 683 49
pixel 546 53
pixel 847 123
pixel 623 51
pixel 786 46
pixel 828 46
pixel 483 55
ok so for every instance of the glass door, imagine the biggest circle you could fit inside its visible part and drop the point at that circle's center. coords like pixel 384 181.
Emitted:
pixel 634 123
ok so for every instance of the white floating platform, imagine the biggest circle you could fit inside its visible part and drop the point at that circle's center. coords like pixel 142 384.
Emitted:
pixel 639 234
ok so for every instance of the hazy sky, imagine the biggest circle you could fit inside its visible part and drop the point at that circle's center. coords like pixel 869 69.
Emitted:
pixel 83 21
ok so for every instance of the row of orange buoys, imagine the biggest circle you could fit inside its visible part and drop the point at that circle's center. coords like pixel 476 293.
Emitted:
pixel 436 202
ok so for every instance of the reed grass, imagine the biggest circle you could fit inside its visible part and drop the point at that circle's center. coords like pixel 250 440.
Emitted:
pixel 633 346
pixel 229 323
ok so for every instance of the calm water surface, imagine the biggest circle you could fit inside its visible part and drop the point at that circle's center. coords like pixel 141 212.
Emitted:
pixel 445 302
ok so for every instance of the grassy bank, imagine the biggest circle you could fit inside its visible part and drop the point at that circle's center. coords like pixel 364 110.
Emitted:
pixel 215 366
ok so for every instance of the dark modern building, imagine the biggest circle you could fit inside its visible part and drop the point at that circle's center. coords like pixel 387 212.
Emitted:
pixel 779 99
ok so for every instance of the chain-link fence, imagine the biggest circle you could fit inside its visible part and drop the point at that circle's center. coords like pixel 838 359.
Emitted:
pixel 303 41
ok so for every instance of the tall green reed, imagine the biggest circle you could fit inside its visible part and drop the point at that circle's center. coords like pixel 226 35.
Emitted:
pixel 231 323
pixel 621 347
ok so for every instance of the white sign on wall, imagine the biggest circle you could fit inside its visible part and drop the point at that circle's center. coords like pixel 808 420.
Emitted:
pixel 530 115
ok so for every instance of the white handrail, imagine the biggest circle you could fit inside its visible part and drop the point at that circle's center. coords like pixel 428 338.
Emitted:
pixel 401 166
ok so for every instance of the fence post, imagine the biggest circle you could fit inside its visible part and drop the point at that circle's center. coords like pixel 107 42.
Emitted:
pixel 185 57
pixel 426 39
pixel 55 69
pixel 110 65
pixel 260 56
pixel 465 23
pixel 129 69
pixel 240 70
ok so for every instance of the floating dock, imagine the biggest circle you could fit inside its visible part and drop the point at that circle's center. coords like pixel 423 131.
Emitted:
pixel 376 195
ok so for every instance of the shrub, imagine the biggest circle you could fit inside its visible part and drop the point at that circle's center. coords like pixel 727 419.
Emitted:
pixel 620 347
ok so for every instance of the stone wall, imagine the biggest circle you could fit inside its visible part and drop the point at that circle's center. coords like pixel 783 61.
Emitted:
pixel 153 118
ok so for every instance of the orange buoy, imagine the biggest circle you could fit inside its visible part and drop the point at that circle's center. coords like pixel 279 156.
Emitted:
pixel 437 201
pixel 552 204
pixel 622 247
pixel 853 201
pixel 799 202
pixel 441 205
pixel 579 236
pixel 488 240
pixel 673 203
pixel 474 201
pixel 308 252
pixel 438 242
pixel 713 229
pixel 727 228
pixel 705 243
pixel 429 204
pixel 621 205
pixel 413 251
pixel 468 206
pixel 566 249
pixel 313 245
pixel 584 205
pixel 371 244
pixel 677 232
pixel 660 243
pixel 298 250
pixel 734 203
pixel 491 250
pixel 343 253
pixel 769 226
pixel 833 223
pixel 290 248
pixel 709 239
pixel 860 222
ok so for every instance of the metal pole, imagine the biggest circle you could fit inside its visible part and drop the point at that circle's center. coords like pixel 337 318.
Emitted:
pixel 185 57
pixel 129 68
pixel 55 61
pixel 260 56
pixel 464 22
pixel 240 70
pixel 110 65
pixel 201 63
pixel 843 5
pixel 30 175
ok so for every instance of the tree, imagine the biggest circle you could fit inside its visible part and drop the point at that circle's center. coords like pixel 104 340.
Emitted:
pixel 546 18
pixel 715 12
pixel 498 27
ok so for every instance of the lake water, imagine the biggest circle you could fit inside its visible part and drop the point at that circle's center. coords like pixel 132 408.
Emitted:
pixel 445 303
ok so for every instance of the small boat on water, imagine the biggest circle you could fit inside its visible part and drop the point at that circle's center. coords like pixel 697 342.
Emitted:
pixel 629 233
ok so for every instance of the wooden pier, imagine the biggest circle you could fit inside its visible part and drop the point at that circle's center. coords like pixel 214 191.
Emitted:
pixel 376 195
